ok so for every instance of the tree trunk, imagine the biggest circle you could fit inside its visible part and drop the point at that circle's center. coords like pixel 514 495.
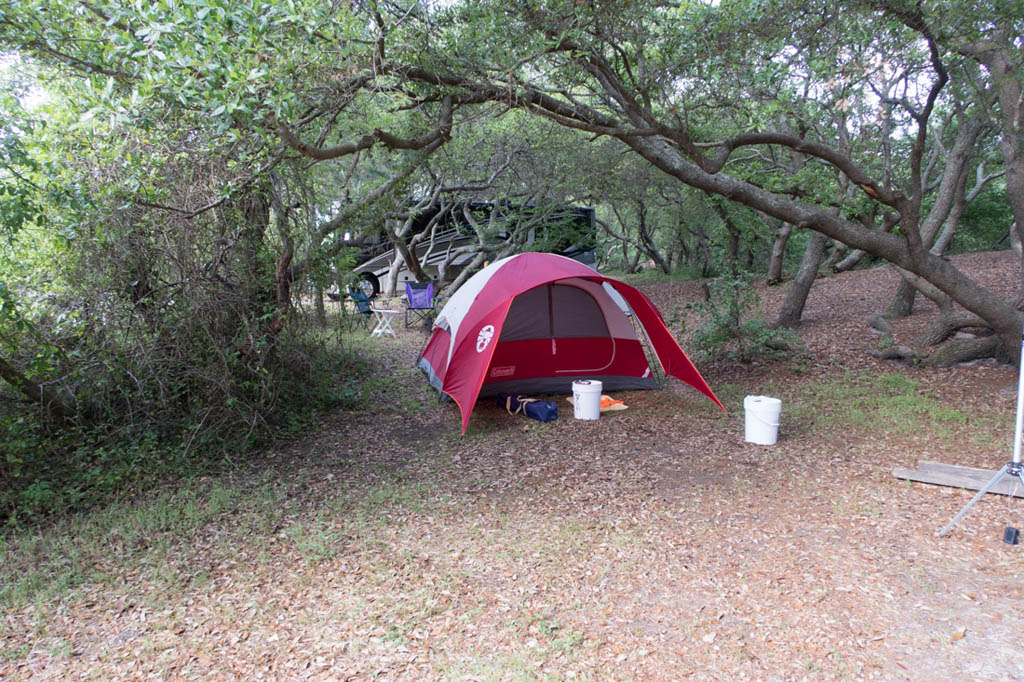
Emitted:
pixel 624 246
pixel 680 256
pixel 782 233
pixel 838 251
pixel 391 281
pixel 949 205
pixel 631 265
pixel 318 305
pixel 283 278
pixel 703 249
pixel 793 307
pixel 55 409
pixel 1000 314
pixel 255 208
pixel 477 262
pixel 1001 58
pixel 655 254
pixel 902 303
pixel 406 254
pixel 647 239
pixel 850 261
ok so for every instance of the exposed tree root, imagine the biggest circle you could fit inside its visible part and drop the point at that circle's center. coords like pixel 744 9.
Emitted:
pixel 948 324
pixel 951 320
pixel 904 354
pixel 947 355
pixel 965 350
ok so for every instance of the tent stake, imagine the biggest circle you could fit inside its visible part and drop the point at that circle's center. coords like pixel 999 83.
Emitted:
pixel 1014 466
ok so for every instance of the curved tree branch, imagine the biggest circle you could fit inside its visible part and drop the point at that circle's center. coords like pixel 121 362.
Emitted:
pixel 442 132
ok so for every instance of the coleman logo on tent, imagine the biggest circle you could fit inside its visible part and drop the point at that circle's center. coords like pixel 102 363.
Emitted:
pixel 505 371
pixel 484 337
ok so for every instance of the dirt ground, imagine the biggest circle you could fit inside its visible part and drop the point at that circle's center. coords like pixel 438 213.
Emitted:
pixel 651 544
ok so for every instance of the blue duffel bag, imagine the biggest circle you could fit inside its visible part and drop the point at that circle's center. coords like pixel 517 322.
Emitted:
pixel 534 408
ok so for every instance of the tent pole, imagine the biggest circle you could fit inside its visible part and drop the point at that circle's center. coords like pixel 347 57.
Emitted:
pixel 1014 466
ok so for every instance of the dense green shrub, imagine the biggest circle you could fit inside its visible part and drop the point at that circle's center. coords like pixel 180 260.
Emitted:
pixel 136 437
pixel 732 326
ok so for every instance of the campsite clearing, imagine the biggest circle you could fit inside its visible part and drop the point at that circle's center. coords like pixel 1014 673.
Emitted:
pixel 651 544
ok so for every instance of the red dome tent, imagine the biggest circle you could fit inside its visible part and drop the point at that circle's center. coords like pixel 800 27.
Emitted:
pixel 536 322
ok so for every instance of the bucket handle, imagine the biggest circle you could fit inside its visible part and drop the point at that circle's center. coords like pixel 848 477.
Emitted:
pixel 766 423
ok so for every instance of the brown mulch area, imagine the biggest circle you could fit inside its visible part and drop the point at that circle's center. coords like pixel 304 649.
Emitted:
pixel 652 544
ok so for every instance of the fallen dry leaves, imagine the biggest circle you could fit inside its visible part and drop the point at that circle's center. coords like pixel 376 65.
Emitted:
pixel 651 544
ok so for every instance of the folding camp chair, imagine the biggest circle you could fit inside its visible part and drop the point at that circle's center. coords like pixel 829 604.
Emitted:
pixel 420 296
pixel 360 317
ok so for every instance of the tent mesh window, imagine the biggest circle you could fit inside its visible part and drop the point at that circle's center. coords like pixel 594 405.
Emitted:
pixel 554 311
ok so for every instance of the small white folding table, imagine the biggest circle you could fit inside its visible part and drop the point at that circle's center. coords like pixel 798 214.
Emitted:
pixel 384 317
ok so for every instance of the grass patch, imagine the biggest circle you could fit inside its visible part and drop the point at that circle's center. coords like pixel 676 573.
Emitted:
pixel 14 653
pixel 887 403
pixel 732 395
pixel 545 638
pixel 503 668
pixel 318 539
pixel 387 497
pixel 151 539
pixel 508 667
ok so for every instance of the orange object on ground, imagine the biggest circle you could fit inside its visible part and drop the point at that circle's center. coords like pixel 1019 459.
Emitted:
pixel 608 403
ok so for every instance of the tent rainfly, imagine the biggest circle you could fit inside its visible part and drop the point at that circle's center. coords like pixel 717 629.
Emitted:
pixel 536 322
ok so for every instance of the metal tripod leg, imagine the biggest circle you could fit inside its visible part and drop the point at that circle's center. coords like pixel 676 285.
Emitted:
pixel 1009 469
pixel 1015 467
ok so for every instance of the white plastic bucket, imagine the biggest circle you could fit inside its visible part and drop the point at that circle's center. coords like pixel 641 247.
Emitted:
pixel 586 399
pixel 762 419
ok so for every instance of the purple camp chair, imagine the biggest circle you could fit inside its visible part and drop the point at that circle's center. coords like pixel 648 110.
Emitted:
pixel 420 296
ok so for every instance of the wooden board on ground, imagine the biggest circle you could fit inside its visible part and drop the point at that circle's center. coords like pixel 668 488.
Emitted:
pixel 960 477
